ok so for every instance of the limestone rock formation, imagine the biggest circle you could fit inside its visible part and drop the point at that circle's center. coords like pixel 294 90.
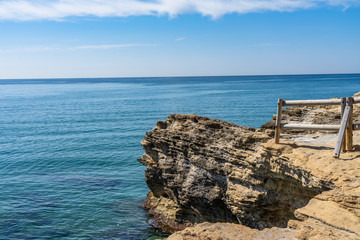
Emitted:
pixel 205 170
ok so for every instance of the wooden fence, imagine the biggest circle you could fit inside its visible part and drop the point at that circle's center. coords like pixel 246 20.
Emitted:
pixel 346 127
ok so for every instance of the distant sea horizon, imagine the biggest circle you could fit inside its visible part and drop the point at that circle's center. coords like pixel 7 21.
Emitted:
pixel 178 76
pixel 69 146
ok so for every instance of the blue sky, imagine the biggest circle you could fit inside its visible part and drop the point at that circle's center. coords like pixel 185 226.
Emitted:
pixel 93 38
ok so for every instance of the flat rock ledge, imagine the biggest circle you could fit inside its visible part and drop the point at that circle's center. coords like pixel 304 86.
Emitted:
pixel 210 179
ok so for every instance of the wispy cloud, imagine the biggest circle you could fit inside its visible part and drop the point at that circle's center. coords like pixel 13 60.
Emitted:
pixel 265 44
pixel 23 10
pixel 82 47
pixel 180 39
pixel 114 46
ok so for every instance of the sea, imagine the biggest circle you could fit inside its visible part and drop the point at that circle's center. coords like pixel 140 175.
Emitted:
pixel 69 147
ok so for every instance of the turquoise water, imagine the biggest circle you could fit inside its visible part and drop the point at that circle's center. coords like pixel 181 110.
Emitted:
pixel 68 147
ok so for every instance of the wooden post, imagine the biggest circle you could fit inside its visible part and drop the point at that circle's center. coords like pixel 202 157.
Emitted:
pixel 278 120
pixel 343 104
pixel 344 123
pixel 349 127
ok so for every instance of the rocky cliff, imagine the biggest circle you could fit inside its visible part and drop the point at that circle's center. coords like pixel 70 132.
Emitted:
pixel 205 170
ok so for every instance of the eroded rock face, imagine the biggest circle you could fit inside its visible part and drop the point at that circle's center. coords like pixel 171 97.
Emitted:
pixel 206 170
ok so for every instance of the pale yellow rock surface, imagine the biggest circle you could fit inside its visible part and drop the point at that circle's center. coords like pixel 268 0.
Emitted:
pixel 230 231
pixel 332 215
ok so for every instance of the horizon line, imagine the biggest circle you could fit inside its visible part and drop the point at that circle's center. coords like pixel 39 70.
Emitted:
pixel 185 76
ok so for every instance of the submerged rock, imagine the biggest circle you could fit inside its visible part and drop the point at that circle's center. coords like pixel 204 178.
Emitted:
pixel 206 170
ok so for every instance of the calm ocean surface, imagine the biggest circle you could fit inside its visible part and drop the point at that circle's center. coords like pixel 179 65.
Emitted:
pixel 68 147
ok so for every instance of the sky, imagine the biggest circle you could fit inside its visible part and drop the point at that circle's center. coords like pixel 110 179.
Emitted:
pixel 134 38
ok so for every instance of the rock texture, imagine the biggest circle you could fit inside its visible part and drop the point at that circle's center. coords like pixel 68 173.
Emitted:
pixel 206 170
pixel 224 231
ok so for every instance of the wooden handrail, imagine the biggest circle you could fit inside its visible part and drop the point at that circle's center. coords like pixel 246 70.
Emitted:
pixel 345 129
pixel 316 102
pixel 310 126
pixel 312 102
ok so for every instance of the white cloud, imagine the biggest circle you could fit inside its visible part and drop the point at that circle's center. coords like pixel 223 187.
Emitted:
pixel 24 10
pixel 180 39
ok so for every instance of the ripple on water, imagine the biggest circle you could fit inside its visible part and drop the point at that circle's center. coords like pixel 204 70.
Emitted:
pixel 68 148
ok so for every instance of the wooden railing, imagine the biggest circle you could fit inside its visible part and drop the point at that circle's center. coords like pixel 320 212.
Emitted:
pixel 346 127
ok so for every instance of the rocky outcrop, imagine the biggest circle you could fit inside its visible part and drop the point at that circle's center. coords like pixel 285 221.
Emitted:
pixel 205 170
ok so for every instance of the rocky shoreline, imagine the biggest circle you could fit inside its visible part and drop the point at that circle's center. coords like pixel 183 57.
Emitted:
pixel 222 181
